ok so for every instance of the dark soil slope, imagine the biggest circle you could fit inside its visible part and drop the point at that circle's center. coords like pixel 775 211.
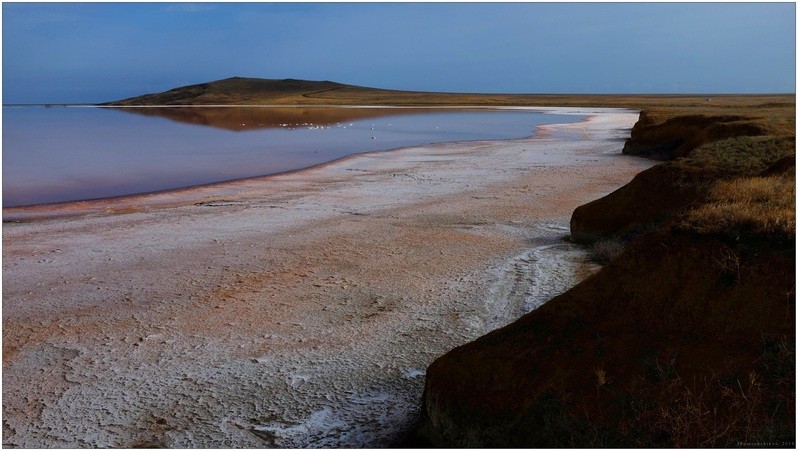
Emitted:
pixel 651 197
pixel 681 341
pixel 679 135
pixel 685 339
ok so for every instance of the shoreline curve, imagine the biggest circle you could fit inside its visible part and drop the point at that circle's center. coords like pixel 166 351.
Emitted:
pixel 147 200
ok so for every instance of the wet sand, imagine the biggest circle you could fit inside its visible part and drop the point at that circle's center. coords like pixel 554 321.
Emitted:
pixel 295 310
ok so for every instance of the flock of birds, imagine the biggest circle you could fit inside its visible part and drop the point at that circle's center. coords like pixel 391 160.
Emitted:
pixel 310 126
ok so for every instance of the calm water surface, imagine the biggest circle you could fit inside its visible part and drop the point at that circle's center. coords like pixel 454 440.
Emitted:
pixel 64 154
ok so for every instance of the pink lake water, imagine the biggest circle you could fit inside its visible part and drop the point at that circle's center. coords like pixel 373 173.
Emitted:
pixel 64 154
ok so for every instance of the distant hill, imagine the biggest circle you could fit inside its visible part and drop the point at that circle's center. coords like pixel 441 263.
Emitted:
pixel 236 91
pixel 259 91
pixel 289 91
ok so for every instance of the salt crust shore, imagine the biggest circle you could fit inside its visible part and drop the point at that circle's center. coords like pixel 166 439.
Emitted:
pixel 294 310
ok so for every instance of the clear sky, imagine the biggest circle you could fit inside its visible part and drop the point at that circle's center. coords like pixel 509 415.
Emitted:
pixel 89 52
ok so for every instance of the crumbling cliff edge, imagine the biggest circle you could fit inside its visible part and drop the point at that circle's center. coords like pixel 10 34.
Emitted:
pixel 686 338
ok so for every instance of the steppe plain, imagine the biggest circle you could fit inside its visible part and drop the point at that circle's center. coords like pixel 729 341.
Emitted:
pixel 304 309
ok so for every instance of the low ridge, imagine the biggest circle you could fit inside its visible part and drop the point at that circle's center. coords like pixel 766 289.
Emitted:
pixel 289 91
pixel 233 91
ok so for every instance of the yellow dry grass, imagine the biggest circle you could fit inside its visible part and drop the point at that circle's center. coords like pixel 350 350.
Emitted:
pixel 758 205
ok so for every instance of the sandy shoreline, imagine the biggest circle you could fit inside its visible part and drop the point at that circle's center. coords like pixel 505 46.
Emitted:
pixel 181 196
pixel 296 310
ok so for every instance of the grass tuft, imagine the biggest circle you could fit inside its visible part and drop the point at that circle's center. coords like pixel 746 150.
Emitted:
pixel 603 251
pixel 763 206
pixel 739 156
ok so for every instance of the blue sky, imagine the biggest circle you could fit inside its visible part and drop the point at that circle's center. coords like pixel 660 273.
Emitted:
pixel 89 52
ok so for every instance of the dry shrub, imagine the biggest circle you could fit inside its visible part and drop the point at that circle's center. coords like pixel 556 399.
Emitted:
pixel 759 205
pixel 695 418
pixel 723 408
pixel 601 377
pixel 712 412
pixel 602 252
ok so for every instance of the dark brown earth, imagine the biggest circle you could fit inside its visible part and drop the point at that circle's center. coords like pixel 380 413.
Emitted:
pixel 674 355
pixel 685 339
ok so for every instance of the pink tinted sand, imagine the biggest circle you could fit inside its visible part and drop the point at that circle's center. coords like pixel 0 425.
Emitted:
pixel 293 310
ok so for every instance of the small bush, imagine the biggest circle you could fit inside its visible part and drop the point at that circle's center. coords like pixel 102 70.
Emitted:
pixel 602 252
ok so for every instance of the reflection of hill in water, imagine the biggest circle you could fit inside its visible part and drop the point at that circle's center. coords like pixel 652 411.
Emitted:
pixel 246 118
